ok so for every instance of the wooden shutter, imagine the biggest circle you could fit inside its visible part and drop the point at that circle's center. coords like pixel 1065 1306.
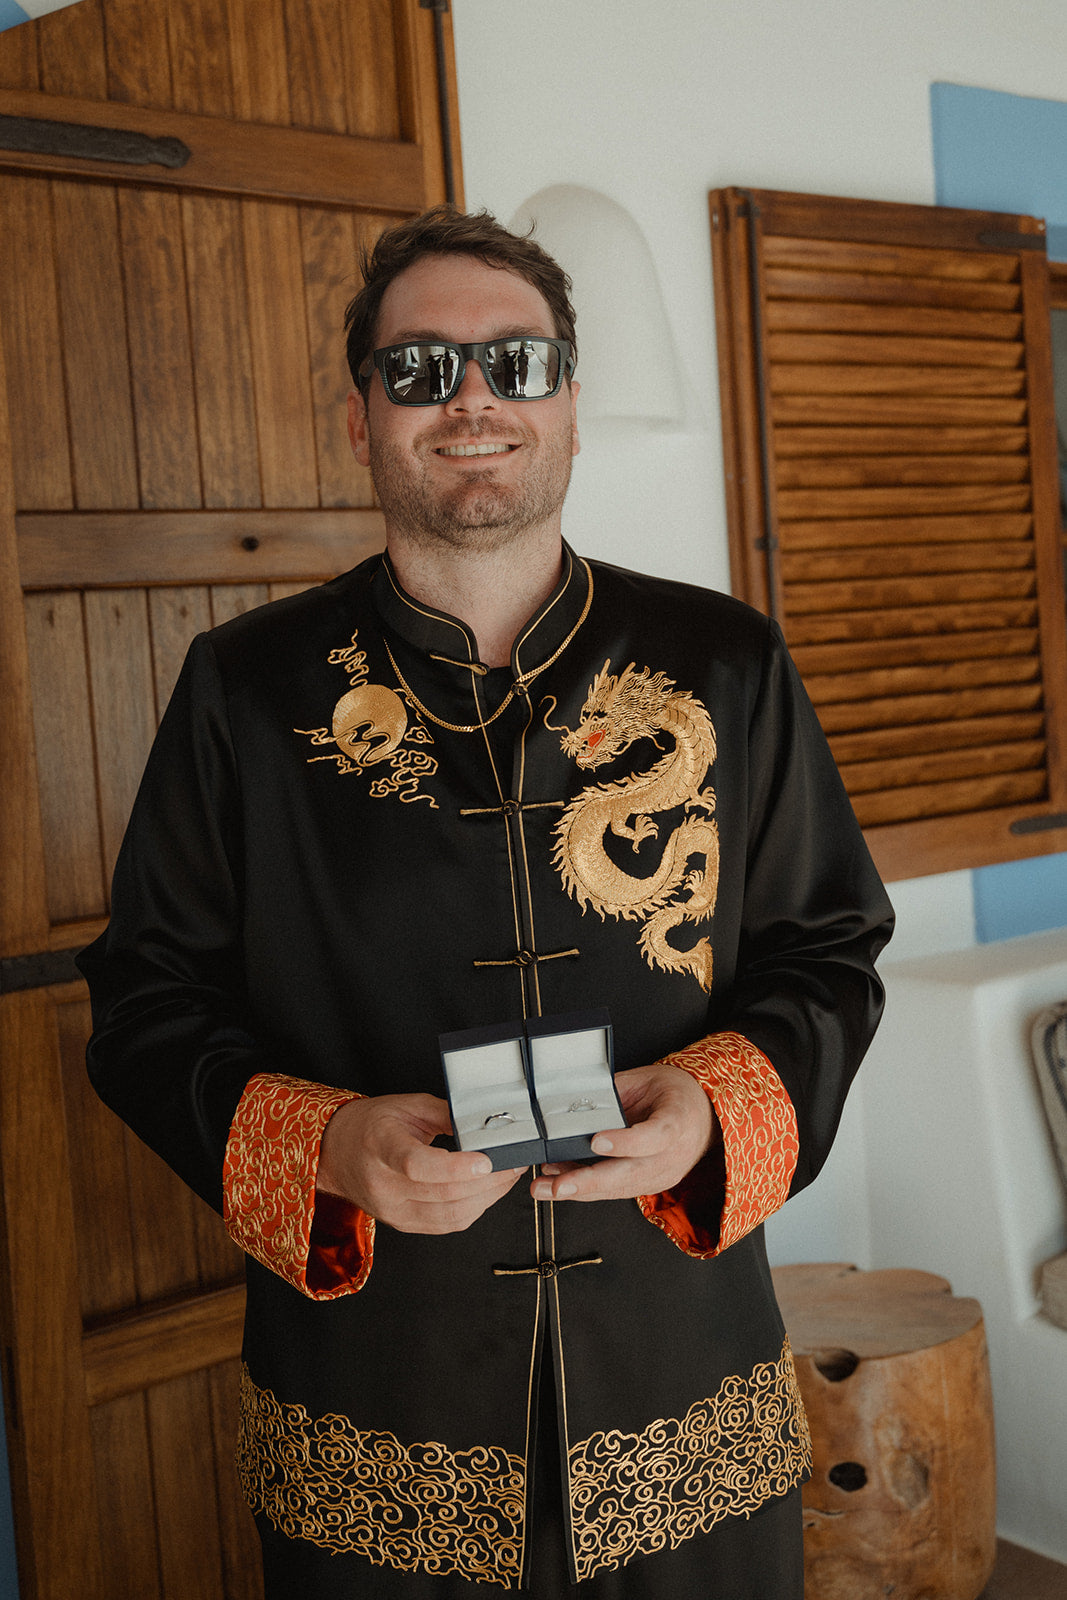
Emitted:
pixel 892 500
pixel 172 451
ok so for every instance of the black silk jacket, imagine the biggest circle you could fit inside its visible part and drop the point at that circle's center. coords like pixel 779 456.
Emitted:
pixel 351 838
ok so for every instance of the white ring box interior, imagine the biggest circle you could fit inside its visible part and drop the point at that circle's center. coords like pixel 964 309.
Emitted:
pixel 534 1091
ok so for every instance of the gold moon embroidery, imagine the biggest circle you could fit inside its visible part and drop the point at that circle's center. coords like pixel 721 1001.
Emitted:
pixel 684 885
pixel 375 711
pixel 371 726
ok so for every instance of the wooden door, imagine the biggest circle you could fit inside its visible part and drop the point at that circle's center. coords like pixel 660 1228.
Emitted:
pixel 172 451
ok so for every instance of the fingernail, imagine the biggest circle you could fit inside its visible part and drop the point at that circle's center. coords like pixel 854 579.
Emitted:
pixel 550 1172
pixel 565 1189
pixel 481 1168
pixel 542 1191
pixel 602 1146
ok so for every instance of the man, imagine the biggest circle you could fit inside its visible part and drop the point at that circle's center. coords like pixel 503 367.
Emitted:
pixel 473 782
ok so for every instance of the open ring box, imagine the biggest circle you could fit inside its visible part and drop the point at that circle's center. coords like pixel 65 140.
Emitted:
pixel 533 1091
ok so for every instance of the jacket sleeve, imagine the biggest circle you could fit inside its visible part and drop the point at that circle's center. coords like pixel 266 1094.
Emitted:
pixel 173 1050
pixel 791 1028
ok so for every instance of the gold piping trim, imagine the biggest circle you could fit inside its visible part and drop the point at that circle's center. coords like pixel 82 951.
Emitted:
pixel 426 611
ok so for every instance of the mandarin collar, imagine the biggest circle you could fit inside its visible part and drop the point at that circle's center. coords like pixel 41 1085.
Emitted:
pixel 445 637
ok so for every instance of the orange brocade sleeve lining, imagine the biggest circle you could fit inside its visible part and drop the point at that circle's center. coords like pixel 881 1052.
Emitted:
pixel 268 1182
pixel 760 1148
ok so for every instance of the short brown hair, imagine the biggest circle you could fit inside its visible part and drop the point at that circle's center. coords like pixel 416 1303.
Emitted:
pixel 444 231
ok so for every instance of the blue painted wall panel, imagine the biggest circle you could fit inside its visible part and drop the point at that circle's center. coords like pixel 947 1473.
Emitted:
pixel 1007 152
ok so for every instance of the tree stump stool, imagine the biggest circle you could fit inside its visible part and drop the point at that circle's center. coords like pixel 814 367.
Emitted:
pixel 895 1379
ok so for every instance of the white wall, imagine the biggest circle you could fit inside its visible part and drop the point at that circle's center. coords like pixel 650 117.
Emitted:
pixel 654 106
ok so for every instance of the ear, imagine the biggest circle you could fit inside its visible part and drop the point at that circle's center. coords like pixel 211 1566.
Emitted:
pixel 575 441
pixel 358 428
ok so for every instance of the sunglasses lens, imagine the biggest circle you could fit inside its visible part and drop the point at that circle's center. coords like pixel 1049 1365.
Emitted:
pixel 524 369
pixel 420 374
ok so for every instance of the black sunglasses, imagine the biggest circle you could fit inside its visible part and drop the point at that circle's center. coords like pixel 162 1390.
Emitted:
pixel 427 374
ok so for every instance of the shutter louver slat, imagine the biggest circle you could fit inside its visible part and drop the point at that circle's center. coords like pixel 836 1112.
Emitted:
pixel 906 432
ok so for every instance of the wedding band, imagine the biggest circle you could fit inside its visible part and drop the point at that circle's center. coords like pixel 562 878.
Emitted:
pixel 582 1105
pixel 498 1116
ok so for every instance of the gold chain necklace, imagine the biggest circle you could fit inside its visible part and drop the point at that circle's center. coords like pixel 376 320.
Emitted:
pixel 452 727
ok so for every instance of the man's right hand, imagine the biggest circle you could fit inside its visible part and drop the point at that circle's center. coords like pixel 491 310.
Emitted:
pixel 378 1153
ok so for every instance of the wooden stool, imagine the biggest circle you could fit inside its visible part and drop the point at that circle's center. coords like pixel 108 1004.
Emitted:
pixel 895 1379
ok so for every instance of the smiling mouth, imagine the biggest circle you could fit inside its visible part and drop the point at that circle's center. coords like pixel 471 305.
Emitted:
pixel 475 449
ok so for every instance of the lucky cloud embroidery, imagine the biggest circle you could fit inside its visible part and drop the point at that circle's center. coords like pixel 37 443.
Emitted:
pixel 684 885
pixel 372 725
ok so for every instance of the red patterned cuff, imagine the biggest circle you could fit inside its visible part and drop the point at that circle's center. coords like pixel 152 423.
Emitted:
pixel 759 1148
pixel 268 1182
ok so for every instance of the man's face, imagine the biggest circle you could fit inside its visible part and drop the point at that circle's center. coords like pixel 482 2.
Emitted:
pixel 430 490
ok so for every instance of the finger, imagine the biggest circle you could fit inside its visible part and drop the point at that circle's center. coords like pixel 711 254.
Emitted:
pixel 604 1180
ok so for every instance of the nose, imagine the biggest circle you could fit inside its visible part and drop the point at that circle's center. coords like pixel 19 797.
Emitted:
pixel 473 394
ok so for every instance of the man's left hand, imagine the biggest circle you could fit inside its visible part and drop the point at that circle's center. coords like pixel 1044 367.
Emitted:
pixel 672 1125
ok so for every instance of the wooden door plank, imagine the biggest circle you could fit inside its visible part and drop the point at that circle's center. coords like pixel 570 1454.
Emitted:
pixel 900 560
pixel 138 53
pixel 71 44
pixel 183 1470
pixel 879 744
pixel 938 500
pixel 23 890
pixel 832 316
pixel 200 57
pixel 929 677
pixel 1003 643
pixel 370 53
pixel 45 1400
pixel 157 330
pixel 259 61
pixel 161 1212
pixel 280 361
pixel 911 623
pixel 906 260
pixel 240 1542
pixel 930 707
pixel 316 66
pixel 126 1354
pixel 176 616
pixel 804 283
pixel 947 799
pixel 91 298
pixel 328 244
pixel 887 409
pixel 874 532
pixel 233 600
pixel 136 548
pixel 233 157
pixel 930 379
pixel 19 66
pixel 811 439
pixel 66 765
pixel 849 472
pixel 128 1507
pixel 29 321
pixel 218 310
pixel 124 710
pixel 97 1176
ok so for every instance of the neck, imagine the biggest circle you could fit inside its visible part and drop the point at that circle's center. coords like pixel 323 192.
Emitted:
pixel 492 591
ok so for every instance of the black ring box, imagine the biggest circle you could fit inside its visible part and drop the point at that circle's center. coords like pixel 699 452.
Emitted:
pixel 549 1080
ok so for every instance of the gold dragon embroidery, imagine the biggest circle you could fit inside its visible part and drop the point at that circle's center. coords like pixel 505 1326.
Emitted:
pixel 617 712
pixel 371 724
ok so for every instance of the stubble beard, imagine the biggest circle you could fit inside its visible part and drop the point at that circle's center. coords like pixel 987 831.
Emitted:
pixel 482 512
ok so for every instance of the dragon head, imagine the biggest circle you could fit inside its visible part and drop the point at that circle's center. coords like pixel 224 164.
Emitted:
pixel 617 711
